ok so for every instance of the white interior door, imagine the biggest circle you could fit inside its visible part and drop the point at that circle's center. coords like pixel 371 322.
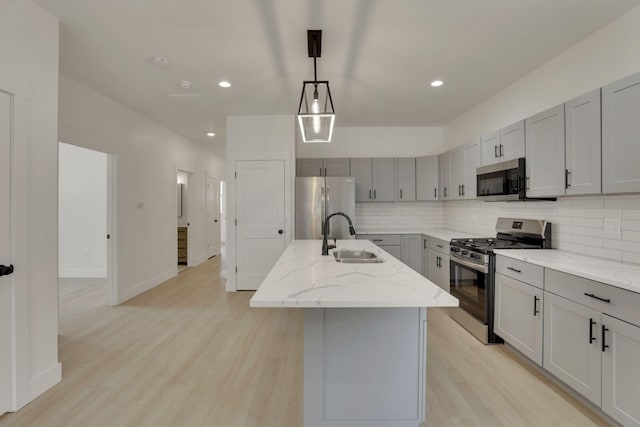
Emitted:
pixel 260 215
pixel 213 217
pixel 5 251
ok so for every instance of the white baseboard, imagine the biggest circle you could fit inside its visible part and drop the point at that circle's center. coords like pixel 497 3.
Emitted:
pixel 83 272
pixel 45 380
pixel 199 260
pixel 137 289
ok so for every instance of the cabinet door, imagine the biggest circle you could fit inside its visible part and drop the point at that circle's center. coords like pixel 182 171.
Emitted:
pixel 412 251
pixel 395 250
pixel 427 178
pixel 620 372
pixel 439 269
pixel 309 167
pixel 584 145
pixel 444 161
pixel 458 173
pixel 336 167
pixel 512 142
pixel 572 345
pixel 518 316
pixel 361 171
pixel 472 162
pixel 425 258
pixel 620 136
pixel 406 168
pixel 491 149
pixel 384 180
pixel 545 153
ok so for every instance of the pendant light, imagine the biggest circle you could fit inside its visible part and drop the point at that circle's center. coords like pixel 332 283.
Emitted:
pixel 315 113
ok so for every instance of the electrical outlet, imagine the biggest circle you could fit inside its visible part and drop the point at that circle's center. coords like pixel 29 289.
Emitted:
pixel 612 226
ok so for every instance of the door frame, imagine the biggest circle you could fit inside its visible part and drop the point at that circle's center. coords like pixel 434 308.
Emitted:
pixel 191 261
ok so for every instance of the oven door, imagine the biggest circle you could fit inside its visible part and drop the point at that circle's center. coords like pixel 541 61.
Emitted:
pixel 469 284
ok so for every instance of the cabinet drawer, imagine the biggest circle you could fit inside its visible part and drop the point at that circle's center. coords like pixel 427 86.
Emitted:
pixel 438 245
pixel 623 304
pixel 525 272
pixel 382 239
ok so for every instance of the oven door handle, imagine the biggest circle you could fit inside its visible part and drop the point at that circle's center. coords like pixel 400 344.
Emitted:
pixel 477 267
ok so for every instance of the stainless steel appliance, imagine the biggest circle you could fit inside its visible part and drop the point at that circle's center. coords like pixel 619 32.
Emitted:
pixel 472 271
pixel 317 198
pixel 502 181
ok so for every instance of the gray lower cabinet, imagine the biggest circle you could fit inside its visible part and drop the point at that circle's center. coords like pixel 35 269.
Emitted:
pixel 545 140
pixel 391 243
pixel 583 147
pixel 412 251
pixel 438 260
pixel 621 136
pixel 427 178
pixel 406 179
pixel 518 315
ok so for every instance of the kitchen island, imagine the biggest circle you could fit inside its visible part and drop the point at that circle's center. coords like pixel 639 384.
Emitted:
pixel 365 329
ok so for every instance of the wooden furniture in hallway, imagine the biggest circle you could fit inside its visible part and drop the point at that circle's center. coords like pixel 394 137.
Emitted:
pixel 182 245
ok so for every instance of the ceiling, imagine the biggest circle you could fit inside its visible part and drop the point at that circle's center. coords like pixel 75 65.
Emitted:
pixel 379 55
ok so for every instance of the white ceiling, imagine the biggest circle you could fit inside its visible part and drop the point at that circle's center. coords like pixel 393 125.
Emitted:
pixel 379 55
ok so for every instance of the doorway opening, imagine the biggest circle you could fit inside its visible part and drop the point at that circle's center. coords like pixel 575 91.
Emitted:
pixel 183 202
pixel 85 251
pixel 223 214
pixel 213 217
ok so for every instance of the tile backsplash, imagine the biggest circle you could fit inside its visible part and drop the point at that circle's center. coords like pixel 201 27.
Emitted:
pixel 401 216
pixel 603 226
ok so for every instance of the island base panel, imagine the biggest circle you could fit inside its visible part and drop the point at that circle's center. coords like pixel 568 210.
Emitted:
pixel 364 367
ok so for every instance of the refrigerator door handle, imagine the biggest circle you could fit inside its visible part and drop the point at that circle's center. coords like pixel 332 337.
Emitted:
pixel 328 199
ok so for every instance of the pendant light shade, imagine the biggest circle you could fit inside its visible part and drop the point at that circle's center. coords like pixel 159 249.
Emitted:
pixel 316 115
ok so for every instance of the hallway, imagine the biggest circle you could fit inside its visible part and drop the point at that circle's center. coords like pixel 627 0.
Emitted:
pixel 187 353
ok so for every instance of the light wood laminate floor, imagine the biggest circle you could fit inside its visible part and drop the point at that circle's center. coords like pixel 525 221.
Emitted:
pixel 186 353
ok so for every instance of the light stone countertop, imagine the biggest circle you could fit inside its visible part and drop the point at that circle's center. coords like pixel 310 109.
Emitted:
pixel 303 278
pixel 614 273
pixel 438 233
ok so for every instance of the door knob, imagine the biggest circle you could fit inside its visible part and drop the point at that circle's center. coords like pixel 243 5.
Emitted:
pixel 215 220
pixel 280 231
pixel 6 270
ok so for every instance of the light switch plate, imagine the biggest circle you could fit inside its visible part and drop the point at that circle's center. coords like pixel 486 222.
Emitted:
pixel 612 226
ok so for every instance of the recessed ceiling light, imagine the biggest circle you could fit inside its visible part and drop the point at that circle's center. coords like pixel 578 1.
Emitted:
pixel 211 134
pixel 436 83
pixel 184 84
pixel 160 61
pixel 224 83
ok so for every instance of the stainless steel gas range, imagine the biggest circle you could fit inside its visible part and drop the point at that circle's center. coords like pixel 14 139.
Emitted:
pixel 472 273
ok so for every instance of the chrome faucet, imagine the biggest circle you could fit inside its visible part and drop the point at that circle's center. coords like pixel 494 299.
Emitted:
pixel 325 245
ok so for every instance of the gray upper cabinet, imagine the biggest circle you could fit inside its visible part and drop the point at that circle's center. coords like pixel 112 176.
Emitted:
pixel 336 167
pixel 444 161
pixel 457 173
pixel 491 149
pixel 545 165
pixel 621 136
pixel 361 170
pixel 406 168
pixel 375 179
pixel 322 167
pixel 583 145
pixel 506 144
pixel 309 167
pixel 384 177
pixel 427 178
pixel 512 142
pixel 472 162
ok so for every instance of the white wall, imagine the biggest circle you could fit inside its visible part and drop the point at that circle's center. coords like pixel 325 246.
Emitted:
pixel 29 52
pixel 147 157
pixel 607 55
pixel 375 142
pixel 82 212
pixel 400 216
pixel 258 138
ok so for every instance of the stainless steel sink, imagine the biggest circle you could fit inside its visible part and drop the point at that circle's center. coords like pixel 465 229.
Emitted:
pixel 356 257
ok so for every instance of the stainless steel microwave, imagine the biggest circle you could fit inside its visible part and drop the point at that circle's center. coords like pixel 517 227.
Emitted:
pixel 502 181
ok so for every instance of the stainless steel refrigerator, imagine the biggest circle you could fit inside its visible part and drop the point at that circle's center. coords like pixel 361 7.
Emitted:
pixel 317 197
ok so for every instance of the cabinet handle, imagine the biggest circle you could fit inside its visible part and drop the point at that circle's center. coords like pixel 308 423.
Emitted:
pixel 424 244
pixel 325 171
pixel 535 305
pixel 435 193
pixel 514 269
pixel 566 178
pixel 369 194
pixel 463 189
pixel 527 184
pixel 440 246
pixel 401 194
pixel 495 151
pixel 607 300
pixel 501 150
pixel 604 346
pixel 591 338
pixel 376 240
pixel 445 192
